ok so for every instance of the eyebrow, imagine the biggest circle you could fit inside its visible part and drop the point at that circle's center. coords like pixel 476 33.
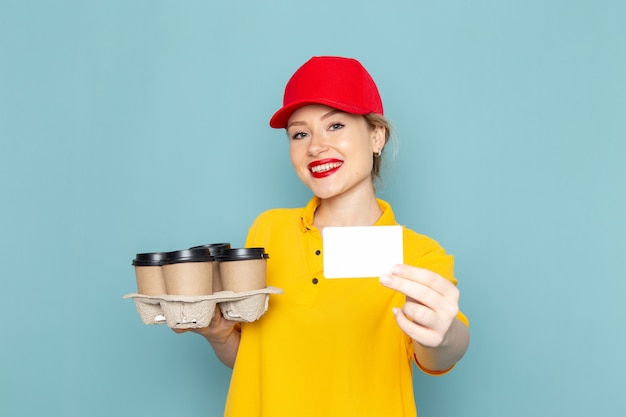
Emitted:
pixel 325 116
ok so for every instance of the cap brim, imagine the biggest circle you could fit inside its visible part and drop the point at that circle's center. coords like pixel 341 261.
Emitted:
pixel 281 117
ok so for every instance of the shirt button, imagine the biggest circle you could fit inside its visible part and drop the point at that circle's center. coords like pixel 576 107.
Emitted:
pixel 314 281
pixel 317 252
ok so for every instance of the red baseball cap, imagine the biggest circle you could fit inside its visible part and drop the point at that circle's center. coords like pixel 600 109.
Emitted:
pixel 337 82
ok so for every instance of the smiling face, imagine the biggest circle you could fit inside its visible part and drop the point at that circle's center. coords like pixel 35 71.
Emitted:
pixel 332 151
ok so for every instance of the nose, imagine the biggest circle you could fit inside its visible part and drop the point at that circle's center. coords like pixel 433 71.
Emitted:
pixel 317 144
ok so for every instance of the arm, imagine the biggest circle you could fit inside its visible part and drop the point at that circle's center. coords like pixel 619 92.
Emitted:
pixel 429 316
pixel 223 335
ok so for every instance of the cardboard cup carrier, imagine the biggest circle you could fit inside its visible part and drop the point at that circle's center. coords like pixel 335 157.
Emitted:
pixel 179 288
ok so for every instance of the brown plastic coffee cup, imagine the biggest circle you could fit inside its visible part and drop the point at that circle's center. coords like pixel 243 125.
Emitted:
pixel 189 272
pixel 243 269
pixel 214 249
pixel 149 273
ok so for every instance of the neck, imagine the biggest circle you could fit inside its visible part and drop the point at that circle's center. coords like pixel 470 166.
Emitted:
pixel 361 209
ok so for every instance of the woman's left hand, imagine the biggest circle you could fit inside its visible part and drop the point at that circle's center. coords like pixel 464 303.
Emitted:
pixel 431 307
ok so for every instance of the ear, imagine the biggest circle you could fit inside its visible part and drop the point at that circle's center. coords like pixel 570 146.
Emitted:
pixel 378 138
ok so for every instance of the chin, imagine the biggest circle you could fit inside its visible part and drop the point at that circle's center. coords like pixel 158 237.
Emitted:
pixel 324 194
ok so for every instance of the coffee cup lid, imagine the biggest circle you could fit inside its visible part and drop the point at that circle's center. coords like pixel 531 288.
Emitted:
pixel 241 254
pixel 189 255
pixel 149 259
pixel 214 248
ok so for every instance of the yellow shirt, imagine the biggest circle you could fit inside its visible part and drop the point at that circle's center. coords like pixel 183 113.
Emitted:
pixel 325 347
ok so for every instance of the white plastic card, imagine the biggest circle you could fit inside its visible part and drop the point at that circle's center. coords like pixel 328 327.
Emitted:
pixel 361 251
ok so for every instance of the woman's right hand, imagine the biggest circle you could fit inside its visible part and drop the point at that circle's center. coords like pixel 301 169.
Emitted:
pixel 223 335
pixel 218 330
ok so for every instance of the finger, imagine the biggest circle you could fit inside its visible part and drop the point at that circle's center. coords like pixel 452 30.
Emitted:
pixel 439 319
pixel 424 277
pixel 420 314
pixel 414 291
pixel 217 316
pixel 422 335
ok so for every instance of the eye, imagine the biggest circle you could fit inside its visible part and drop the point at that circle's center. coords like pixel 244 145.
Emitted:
pixel 335 126
pixel 298 135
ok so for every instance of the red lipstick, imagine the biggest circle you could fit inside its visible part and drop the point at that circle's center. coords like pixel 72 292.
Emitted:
pixel 324 167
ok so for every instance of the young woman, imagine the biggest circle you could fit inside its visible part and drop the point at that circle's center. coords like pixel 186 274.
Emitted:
pixel 338 347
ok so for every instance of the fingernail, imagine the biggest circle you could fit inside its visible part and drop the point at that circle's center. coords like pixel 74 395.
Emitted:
pixel 395 310
pixel 385 279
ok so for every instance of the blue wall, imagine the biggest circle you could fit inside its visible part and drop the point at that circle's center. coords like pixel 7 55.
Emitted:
pixel 130 126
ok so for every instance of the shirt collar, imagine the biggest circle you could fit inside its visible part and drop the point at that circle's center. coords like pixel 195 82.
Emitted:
pixel 308 212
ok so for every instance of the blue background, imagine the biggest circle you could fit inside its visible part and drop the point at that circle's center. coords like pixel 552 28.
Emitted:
pixel 133 126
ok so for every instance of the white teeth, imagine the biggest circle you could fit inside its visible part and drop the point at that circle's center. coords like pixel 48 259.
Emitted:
pixel 325 167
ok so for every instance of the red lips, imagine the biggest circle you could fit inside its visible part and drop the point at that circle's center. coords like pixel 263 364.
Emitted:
pixel 324 167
